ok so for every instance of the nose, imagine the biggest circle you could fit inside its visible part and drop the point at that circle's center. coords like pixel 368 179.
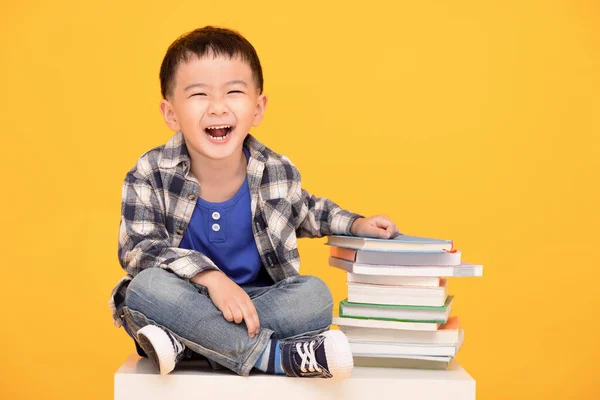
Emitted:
pixel 217 106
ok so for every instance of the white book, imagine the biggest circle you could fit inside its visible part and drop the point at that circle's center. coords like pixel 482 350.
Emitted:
pixel 446 333
pixel 426 281
pixel 464 269
pixel 398 295
pixel 402 349
pixel 384 324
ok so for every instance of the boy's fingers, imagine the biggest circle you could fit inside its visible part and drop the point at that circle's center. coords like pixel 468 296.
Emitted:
pixel 374 231
pixel 383 223
pixel 388 228
pixel 227 314
pixel 378 229
pixel 249 319
pixel 252 325
pixel 256 321
pixel 392 229
pixel 238 316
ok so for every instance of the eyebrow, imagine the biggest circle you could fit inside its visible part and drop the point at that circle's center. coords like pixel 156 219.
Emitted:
pixel 205 85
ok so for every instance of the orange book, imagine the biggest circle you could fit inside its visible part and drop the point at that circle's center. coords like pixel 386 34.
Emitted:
pixel 452 324
pixel 343 253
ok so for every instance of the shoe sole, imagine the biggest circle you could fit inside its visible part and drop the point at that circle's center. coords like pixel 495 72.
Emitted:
pixel 159 348
pixel 339 354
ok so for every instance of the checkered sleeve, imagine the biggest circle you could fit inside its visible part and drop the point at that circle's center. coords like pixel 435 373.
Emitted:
pixel 144 239
pixel 317 216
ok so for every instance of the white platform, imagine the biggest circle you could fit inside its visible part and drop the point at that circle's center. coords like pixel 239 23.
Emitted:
pixel 137 379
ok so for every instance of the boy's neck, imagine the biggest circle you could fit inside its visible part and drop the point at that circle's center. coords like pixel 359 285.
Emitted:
pixel 215 173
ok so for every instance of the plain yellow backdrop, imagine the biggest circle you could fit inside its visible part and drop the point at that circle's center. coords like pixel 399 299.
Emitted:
pixel 476 121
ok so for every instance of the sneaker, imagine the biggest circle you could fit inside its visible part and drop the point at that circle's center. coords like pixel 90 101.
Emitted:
pixel 325 355
pixel 162 348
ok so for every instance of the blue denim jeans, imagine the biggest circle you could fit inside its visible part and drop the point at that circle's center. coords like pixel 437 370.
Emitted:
pixel 293 307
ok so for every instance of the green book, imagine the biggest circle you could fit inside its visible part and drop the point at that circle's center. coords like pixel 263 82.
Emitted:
pixel 401 313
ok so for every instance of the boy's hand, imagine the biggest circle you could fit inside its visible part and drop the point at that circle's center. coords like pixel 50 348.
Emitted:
pixel 378 226
pixel 233 302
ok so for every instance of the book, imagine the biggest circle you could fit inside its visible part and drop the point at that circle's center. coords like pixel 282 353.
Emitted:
pixel 464 269
pixel 425 281
pixel 384 324
pixel 447 333
pixel 404 349
pixel 397 312
pixel 414 362
pixel 398 295
pixel 396 258
pixel 398 243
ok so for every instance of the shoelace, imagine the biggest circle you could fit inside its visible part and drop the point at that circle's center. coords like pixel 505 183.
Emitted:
pixel 177 345
pixel 308 356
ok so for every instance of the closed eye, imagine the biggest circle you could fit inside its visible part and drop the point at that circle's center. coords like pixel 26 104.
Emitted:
pixel 199 94
pixel 235 91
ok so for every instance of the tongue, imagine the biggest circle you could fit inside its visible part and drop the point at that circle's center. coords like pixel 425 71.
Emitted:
pixel 218 132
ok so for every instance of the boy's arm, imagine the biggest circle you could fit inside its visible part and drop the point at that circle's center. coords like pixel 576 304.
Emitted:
pixel 143 237
pixel 318 216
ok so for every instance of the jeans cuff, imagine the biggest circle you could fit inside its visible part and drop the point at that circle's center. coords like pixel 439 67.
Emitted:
pixel 261 344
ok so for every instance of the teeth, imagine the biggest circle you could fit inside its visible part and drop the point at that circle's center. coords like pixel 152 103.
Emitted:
pixel 219 127
pixel 218 138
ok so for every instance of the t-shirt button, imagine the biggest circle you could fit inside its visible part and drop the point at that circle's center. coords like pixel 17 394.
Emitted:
pixel 192 197
pixel 180 231
pixel 216 215
pixel 216 227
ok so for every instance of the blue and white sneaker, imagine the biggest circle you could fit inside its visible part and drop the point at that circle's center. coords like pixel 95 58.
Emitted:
pixel 162 348
pixel 326 355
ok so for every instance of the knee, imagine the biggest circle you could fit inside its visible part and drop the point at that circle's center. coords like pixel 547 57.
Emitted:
pixel 317 296
pixel 319 290
pixel 145 287
pixel 305 308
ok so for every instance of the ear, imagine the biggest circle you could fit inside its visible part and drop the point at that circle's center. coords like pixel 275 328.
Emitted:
pixel 261 105
pixel 168 112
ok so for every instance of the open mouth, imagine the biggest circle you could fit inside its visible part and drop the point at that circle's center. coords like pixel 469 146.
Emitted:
pixel 218 132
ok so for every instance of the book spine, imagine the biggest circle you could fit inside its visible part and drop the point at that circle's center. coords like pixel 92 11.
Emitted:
pixel 441 258
pixel 463 270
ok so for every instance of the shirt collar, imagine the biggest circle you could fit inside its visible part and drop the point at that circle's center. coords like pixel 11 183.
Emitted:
pixel 176 152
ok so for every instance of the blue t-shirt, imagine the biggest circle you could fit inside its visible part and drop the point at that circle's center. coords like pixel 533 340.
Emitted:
pixel 223 232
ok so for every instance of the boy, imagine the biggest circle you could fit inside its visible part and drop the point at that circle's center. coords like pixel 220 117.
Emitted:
pixel 209 227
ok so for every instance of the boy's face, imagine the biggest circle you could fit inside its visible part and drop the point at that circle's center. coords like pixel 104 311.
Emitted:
pixel 214 104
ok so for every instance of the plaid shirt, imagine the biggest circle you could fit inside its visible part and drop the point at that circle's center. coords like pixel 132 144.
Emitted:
pixel 159 196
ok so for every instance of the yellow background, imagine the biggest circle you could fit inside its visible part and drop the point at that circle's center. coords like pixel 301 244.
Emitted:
pixel 472 120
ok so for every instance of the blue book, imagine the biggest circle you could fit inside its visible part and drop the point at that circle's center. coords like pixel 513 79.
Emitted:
pixel 398 243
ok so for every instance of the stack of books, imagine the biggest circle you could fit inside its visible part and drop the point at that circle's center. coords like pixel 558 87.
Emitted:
pixel 398 309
